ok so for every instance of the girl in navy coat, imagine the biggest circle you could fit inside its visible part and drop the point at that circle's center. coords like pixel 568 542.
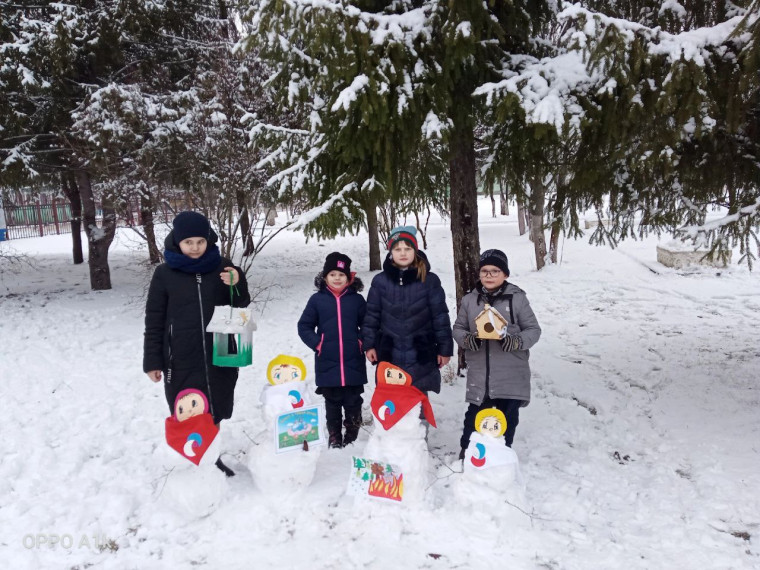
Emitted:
pixel 407 319
pixel 331 325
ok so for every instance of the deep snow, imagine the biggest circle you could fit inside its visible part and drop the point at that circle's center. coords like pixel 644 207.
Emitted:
pixel 640 449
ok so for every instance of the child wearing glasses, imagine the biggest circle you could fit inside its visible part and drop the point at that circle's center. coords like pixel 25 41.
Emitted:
pixel 498 373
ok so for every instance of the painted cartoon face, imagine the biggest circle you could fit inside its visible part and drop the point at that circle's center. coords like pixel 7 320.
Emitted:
pixel 284 368
pixel 285 373
pixel 396 376
pixel 491 422
pixel 188 406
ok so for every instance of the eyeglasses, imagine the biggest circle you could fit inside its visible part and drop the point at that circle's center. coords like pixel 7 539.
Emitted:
pixel 490 273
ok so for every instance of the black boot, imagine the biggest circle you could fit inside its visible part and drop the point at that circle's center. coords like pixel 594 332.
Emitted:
pixel 335 438
pixel 224 469
pixel 461 454
pixel 352 423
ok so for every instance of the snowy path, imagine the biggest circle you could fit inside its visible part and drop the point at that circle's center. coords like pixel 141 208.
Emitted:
pixel 640 449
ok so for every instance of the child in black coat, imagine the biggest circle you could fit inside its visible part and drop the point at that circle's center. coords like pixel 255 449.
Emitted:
pixel 331 326
pixel 181 299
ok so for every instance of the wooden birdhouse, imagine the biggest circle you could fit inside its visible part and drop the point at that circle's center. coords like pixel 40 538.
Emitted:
pixel 490 323
pixel 233 336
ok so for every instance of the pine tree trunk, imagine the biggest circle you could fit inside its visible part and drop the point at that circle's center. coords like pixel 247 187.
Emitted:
pixel 271 215
pixel 375 262
pixel 493 200
pixel 464 214
pixel 557 208
pixel 504 197
pixel 521 217
pixel 98 238
pixel 146 213
pixel 71 191
pixel 537 200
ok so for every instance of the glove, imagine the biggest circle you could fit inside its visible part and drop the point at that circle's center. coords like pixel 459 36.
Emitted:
pixel 471 342
pixel 511 342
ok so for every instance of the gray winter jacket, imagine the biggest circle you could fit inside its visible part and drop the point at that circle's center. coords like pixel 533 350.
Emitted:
pixel 503 374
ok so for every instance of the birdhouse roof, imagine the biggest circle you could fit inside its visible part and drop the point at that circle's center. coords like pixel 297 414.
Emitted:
pixel 239 321
pixel 484 314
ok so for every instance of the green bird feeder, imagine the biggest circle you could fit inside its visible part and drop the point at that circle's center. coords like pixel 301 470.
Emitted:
pixel 233 336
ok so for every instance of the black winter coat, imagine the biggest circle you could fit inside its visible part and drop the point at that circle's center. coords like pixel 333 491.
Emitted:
pixel 175 325
pixel 332 327
pixel 407 322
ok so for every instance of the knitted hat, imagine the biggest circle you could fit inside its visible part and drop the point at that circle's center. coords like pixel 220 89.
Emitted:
pixel 495 257
pixel 337 261
pixel 403 233
pixel 190 224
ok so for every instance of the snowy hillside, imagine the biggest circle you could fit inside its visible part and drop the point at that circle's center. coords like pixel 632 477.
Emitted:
pixel 640 448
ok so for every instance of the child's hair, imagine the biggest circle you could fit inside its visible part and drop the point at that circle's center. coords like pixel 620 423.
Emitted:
pixel 421 268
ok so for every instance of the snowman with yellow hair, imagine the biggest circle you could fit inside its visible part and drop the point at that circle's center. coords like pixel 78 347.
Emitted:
pixel 283 474
pixel 491 470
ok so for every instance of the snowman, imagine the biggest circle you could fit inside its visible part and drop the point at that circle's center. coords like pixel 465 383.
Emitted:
pixel 399 436
pixel 194 485
pixel 491 471
pixel 292 471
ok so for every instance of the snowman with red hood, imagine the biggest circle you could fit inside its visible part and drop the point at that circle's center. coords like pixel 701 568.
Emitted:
pixel 399 435
pixel 194 485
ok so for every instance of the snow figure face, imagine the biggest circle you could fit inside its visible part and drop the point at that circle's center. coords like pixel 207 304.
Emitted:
pixel 190 403
pixel 491 422
pixel 387 373
pixel 285 369
pixel 193 247
pixel 336 279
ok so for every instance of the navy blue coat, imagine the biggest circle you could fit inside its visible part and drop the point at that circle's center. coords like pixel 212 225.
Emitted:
pixel 332 327
pixel 408 324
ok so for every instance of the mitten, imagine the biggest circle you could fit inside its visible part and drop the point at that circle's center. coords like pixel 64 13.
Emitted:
pixel 471 342
pixel 511 342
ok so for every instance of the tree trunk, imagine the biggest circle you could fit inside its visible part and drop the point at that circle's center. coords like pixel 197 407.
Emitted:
pixel 375 263
pixel 557 208
pixel 521 217
pixel 493 200
pixel 271 215
pixel 146 213
pixel 504 195
pixel 75 200
pixel 245 223
pixel 537 200
pixel 98 238
pixel 464 213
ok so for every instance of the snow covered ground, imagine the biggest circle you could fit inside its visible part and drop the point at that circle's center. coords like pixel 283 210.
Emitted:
pixel 640 449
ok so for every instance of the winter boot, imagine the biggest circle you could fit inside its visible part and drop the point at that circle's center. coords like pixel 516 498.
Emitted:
pixel 461 454
pixel 224 469
pixel 334 436
pixel 352 423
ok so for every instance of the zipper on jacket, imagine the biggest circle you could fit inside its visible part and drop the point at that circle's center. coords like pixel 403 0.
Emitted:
pixel 203 336
pixel 340 341
pixel 488 367
pixel 169 368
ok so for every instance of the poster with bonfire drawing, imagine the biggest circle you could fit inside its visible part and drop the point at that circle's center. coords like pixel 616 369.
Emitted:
pixel 376 480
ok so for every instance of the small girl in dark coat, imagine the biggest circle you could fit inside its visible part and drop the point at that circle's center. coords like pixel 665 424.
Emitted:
pixel 181 299
pixel 407 319
pixel 331 325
